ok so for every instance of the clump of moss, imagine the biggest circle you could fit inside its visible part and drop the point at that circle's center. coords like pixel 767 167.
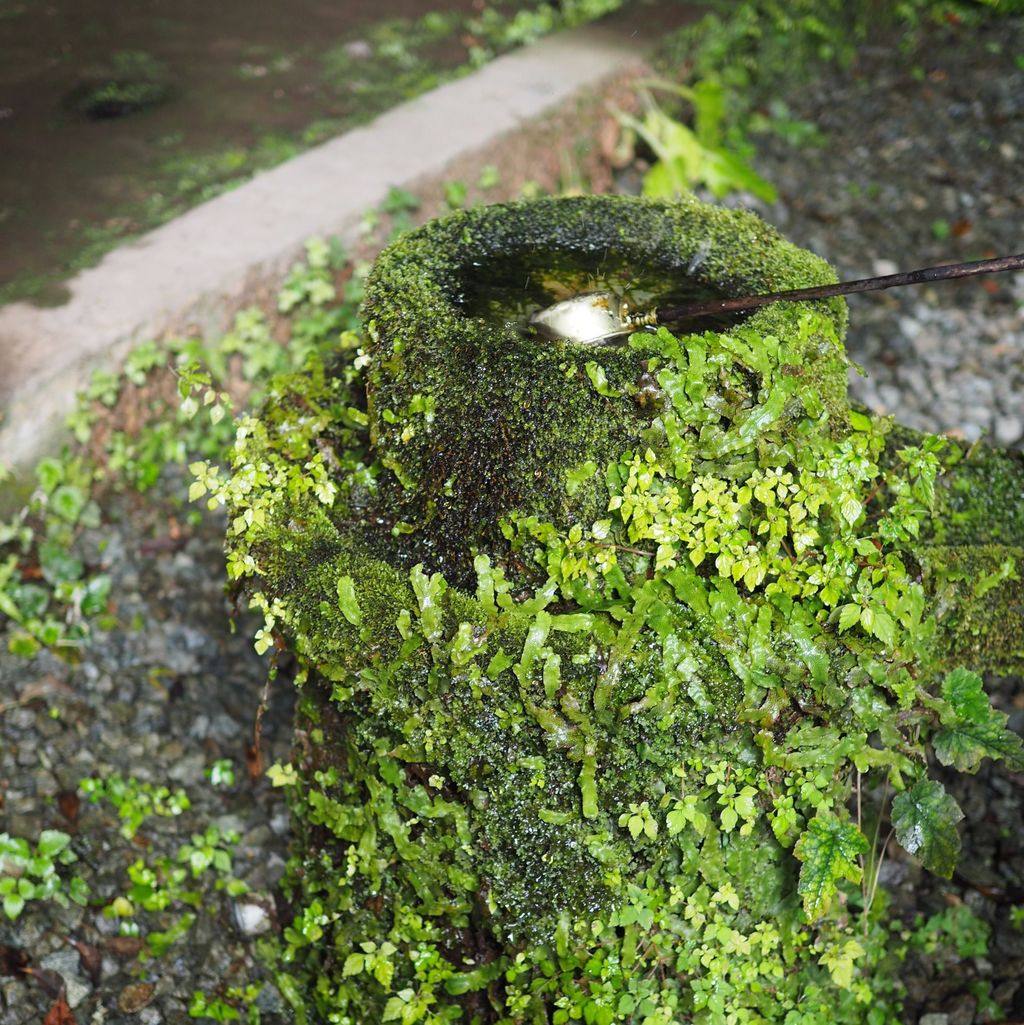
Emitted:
pixel 597 642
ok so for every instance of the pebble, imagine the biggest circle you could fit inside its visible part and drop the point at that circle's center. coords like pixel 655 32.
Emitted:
pixel 251 917
pixel 1008 430
pixel 67 965
pixel 933 1019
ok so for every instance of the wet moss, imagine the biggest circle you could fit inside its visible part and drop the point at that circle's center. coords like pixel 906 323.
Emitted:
pixel 977 593
pixel 479 417
pixel 592 637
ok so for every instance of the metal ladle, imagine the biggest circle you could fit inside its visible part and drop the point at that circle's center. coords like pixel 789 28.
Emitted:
pixel 597 318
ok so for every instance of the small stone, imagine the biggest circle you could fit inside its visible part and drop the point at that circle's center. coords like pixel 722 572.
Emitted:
pixel 933 1018
pixel 251 917
pixel 135 996
pixel 1008 429
pixel 269 1000
pixel 883 267
pixel 66 964
pixel 889 396
pixel 962 1010
pixel 359 48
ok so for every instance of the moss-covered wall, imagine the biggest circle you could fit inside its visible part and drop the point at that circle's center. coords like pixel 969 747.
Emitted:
pixel 597 641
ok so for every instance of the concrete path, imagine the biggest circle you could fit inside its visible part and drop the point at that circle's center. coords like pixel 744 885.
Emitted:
pixel 195 268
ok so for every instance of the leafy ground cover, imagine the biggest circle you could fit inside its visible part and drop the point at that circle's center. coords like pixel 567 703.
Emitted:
pixel 150 687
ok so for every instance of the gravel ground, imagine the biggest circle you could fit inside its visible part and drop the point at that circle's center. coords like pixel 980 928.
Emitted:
pixel 161 698
pixel 920 167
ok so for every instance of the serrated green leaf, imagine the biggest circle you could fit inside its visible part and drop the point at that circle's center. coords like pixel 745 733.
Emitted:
pixel 965 693
pixel 965 743
pixel 851 510
pixel 924 818
pixel 828 849
pixel 68 502
pixel 883 627
pixel 849 616
pixel 353 965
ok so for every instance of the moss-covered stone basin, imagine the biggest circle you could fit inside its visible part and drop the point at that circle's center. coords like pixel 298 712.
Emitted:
pixel 446 308
pixel 596 641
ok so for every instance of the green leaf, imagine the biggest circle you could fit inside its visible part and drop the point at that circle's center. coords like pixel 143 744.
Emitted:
pixel 49 473
pixel 52 841
pixel 924 818
pixel 851 509
pixel 972 728
pixel 849 616
pixel 353 965
pixel 965 692
pixel 859 422
pixel 965 743
pixel 395 1006
pixel 13 905
pixel 68 502
pixel 347 600
pixel 884 628
pixel 22 645
pixel 599 379
pixel 828 849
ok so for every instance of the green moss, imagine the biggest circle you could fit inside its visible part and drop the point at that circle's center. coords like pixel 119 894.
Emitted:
pixel 512 415
pixel 592 660
pixel 978 597
pixel 979 501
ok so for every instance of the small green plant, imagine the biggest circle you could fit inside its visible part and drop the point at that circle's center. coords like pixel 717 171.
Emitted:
pixel 164 886
pixel 687 157
pixel 32 872
pixel 228 1007
pixel 222 773
pixel 135 801
pixel 51 594
pixel 956 929
pixel 779 121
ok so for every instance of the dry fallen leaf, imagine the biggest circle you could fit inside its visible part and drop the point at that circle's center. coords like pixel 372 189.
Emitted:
pixel 52 983
pixel 124 946
pixel 59 1013
pixel 13 960
pixel 69 804
pixel 90 959
pixel 135 996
